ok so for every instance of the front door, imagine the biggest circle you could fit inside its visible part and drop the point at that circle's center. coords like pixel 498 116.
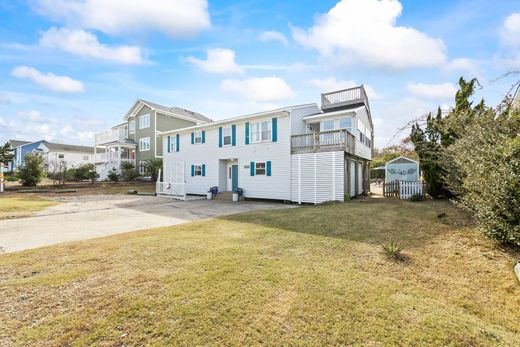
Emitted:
pixel 234 177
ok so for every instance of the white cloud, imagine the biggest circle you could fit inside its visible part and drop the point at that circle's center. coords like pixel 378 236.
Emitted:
pixel 218 60
pixel 331 84
pixel 462 64
pixel 259 88
pixel 365 32
pixel 49 81
pixel 32 115
pixel 510 30
pixel 441 91
pixel 179 18
pixel 85 44
pixel 273 35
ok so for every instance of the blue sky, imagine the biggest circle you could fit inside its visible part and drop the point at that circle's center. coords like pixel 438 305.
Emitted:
pixel 71 68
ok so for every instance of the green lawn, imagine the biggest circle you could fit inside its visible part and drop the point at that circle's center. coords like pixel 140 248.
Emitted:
pixel 22 206
pixel 308 276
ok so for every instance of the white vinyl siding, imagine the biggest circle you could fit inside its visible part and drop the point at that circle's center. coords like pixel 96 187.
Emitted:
pixel 362 149
pixel 144 121
pixel 144 144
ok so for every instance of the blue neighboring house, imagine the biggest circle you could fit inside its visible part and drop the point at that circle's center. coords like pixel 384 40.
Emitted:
pixel 21 150
pixel 16 146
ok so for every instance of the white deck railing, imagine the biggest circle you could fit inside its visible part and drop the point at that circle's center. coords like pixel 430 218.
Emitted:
pixel 344 97
pixel 109 136
pixel 173 190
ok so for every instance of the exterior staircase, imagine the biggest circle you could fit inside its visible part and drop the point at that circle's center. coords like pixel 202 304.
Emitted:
pixel 224 196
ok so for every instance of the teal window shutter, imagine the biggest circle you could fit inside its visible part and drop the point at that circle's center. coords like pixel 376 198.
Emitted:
pixel 192 138
pixel 220 136
pixel 203 136
pixel 275 129
pixel 203 169
pixel 247 133
pixel 192 170
pixel 268 168
pixel 177 141
pixel 233 135
pixel 169 143
pixel 252 168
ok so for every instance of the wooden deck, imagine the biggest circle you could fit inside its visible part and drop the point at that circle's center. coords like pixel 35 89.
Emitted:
pixel 323 141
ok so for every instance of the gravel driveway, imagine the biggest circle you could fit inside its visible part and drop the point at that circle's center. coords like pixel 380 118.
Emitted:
pixel 89 216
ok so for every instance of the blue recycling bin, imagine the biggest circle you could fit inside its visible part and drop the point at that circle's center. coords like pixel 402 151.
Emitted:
pixel 239 191
pixel 214 190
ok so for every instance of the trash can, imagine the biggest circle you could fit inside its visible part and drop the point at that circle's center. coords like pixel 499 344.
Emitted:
pixel 239 191
pixel 209 195
pixel 214 190
pixel 235 197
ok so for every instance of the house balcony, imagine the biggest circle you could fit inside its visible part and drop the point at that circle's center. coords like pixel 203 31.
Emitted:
pixel 324 141
pixel 342 99
pixel 110 136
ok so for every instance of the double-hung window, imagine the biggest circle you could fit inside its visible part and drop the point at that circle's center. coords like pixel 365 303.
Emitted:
pixel 131 127
pixel 144 121
pixel 327 125
pixel 361 131
pixel 197 171
pixel 144 144
pixel 260 169
pixel 198 137
pixel 226 136
pixel 261 131
pixel 173 143
pixel 142 167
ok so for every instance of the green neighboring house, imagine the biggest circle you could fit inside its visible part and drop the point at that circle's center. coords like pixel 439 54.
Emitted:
pixel 137 138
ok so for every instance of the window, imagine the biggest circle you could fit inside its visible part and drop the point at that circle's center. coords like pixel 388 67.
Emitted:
pixel 260 168
pixel 85 157
pixel 226 134
pixel 327 125
pixel 198 137
pixel 197 170
pixel 142 168
pixel 61 155
pixel 131 126
pixel 261 131
pixel 144 121
pixel 361 131
pixel 144 144
pixel 345 123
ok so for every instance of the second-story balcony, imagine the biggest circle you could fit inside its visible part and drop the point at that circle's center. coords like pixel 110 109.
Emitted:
pixel 323 141
pixel 110 136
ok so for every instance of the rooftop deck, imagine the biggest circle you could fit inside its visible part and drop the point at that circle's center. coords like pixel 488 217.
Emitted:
pixel 323 141
pixel 345 98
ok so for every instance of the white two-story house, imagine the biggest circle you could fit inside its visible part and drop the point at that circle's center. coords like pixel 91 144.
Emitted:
pixel 304 154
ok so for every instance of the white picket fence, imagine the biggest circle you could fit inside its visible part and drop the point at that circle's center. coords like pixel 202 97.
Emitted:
pixel 173 185
pixel 409 188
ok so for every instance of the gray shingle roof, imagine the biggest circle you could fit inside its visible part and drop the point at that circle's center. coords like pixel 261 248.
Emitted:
pixel 68 148
pixel 179 111
pixel 16 143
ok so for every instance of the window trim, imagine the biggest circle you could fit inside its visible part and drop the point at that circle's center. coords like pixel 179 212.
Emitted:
pixel 173 144
pixel 144 116
pixel 264 168
pixel 195 137
pixel 149 144
pixel 130 123
pixel 260 132
pixel 140 167
pixel 195 170
pixel 224 136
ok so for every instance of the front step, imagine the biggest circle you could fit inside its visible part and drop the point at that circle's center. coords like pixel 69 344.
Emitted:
pixel 227 196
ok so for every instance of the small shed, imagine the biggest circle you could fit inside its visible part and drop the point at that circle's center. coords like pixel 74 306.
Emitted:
pixel 402 169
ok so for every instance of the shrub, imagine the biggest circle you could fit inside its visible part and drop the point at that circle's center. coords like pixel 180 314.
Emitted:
pixel 393 251
pixel 152 167
pixel 10 177
pixel 113 175
pixel 33 170
pixel 417 197
pixel 128 172
pixel 84 172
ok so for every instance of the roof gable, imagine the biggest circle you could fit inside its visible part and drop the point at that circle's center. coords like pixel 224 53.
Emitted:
pixel 171 111
pixel 402 160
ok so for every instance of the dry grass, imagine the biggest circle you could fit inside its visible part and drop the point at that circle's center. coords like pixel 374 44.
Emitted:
pixel 308 276
pixel 16 206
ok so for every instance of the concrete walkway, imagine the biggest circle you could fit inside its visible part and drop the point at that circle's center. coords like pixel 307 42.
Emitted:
pixel 85 217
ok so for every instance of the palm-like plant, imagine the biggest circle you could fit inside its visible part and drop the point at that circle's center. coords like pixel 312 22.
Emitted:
pixel 152 167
